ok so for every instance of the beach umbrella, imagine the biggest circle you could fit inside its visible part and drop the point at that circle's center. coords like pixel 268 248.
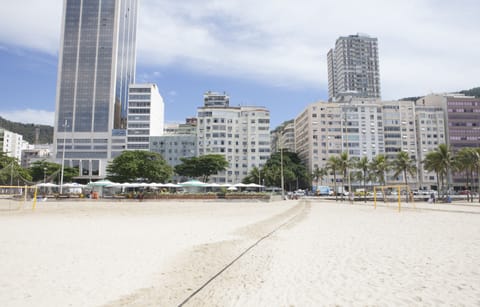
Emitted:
pixel 213 185
pixel 47 185
pixel 192 183
pixel 100 183
pixel 172 185
pixel 240 185
pixel 193 186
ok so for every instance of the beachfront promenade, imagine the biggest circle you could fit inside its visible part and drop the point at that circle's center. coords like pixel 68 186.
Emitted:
pixel 306 252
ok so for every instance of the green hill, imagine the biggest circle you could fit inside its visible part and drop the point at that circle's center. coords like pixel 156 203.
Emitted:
pixel 472 92
pixel 28 131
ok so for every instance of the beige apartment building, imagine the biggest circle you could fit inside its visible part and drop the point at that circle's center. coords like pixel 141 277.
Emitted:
pixel 361 127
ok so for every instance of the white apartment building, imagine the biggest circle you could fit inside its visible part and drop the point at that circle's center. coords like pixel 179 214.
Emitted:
pixel 146 112
pixel 35 153
pixel 179 141
pixel 353 67
pixel 241 134
pixel 11 143
pixel 400 135
pixel 361 127
pixel 324 129
pixel 430 118
pixel 283 137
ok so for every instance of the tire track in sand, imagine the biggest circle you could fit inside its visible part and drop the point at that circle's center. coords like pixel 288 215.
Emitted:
pixel 195 269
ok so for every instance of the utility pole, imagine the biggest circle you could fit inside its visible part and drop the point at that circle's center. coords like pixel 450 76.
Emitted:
pixel 281 173
pixel 63 155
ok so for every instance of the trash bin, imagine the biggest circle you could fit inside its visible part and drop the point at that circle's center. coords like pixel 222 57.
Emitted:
pixel 95 195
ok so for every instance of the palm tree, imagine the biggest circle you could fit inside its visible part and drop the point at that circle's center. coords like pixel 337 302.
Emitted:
pixel 364 174
pixel 404 165
pixel 465 161
pixel 333 164
pixel 344 166
pixel 379 167
pixel 432 163
pixel 441 160
pixel 447 161
pixel 318 174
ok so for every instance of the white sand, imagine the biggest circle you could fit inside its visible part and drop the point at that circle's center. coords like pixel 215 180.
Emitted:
pixel 157 254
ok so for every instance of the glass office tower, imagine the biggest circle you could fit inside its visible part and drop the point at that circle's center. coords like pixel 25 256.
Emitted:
pixel 96 65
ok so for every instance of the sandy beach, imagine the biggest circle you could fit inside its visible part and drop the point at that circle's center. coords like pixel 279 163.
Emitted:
pixel 307 252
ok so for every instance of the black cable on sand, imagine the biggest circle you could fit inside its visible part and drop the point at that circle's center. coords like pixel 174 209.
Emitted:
pixel 235 260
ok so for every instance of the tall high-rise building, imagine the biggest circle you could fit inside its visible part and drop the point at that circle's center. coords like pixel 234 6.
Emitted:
pixel 353 68
pixel 96 66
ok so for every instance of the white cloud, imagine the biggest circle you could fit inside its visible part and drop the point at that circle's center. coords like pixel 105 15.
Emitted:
pixel 30 116
pixel 425 45
pixel 31 24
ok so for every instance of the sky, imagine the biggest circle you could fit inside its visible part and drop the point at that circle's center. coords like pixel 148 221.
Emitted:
pixel 269 53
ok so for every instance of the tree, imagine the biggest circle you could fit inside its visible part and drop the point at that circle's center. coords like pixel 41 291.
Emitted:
pixel 333 164
pixel 344 167
pixel 254 176
pixel 379 167
pixel 319 174
pixel 446 162
pixel 363 166
pixel 466 162
pixel 432 163
pixel 11 173
pixel 203 166
pixel 294 171
pixel 40 170
pixel 404 165
pixel 441 160
pixel 138 165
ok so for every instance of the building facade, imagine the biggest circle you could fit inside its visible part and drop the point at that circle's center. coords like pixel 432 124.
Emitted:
pixel 34 153
pixel 178 141
pixel 145 115
pixel 462 126
pixel 360 127
pixel 283 137
pixel 400 135
pixel 96 66
pixel 326 129
pixel 430 119
pixel 11 144
pixel 353 67
pixel 241 134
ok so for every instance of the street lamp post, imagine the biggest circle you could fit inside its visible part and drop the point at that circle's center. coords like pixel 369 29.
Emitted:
pixel 281 173
pixel 63 155
pixel 44 174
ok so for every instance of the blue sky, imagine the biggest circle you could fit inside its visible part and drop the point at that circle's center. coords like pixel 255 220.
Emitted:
pixel 268 53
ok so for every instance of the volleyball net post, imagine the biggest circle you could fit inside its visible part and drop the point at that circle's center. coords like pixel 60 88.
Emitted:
pixel 21 194
pixel 398 188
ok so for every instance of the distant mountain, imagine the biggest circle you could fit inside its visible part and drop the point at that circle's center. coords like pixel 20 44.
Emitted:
pixel 471 92
pixel 45 135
